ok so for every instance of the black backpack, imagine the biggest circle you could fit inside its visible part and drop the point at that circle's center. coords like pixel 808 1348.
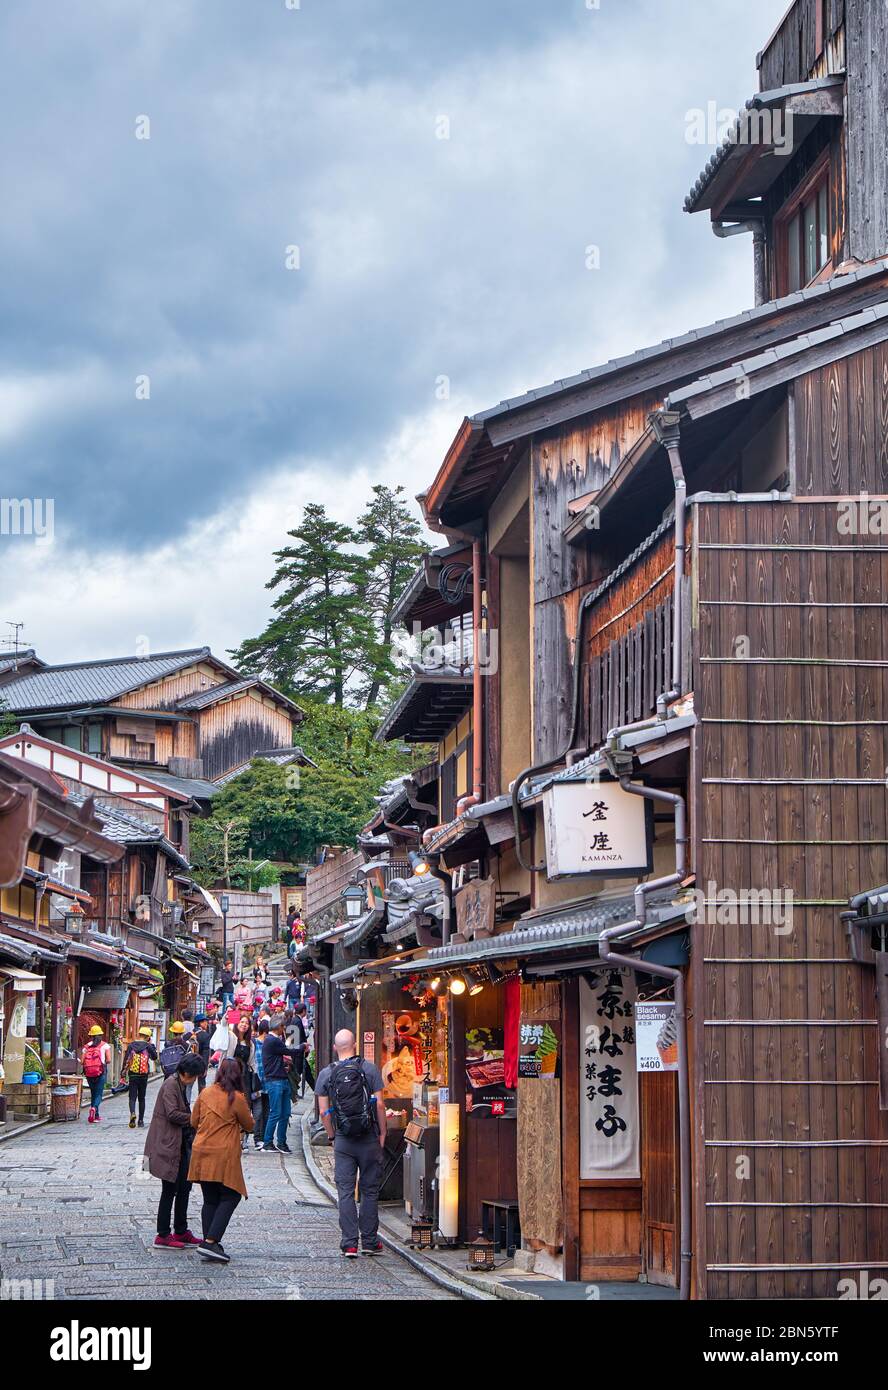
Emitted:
pixel 350 1099
pixel 171 1056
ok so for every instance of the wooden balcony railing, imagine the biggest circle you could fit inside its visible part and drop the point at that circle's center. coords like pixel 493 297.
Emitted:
pixel 629 643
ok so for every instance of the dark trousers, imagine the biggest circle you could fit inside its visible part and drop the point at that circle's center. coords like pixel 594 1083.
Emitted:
pixel 174 1200
pixel 260 1116
pixel 138 1085
pixel 218 1209
pixel 358 1158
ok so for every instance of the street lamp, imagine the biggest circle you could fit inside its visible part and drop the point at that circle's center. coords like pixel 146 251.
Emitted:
pixel 224 903
pixel 355 899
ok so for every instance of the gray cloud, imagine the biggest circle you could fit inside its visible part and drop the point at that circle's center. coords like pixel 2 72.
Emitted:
pixel 420 257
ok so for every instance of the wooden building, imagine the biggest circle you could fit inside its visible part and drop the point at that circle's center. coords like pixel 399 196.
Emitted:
pixel 184 715
pixel 698 532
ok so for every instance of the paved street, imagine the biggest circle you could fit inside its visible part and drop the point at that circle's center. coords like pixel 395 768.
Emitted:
pixel 77 1209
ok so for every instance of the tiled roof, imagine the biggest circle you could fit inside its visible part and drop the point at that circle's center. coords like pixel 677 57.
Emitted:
pixel 125 829
pixel 836 284
pixel 204 698
pixel 94 682
pixel 565 926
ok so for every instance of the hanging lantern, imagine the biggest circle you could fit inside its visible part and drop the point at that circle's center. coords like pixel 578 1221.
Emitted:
pixel 480 1254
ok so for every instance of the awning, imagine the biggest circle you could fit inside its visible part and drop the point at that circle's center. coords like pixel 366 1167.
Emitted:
pixel 559 929
pixel 211 902
pixel 384 966
pixel 363 927
pixel 106 997
pixel 185 968
pixel 761 142
pixel 23 979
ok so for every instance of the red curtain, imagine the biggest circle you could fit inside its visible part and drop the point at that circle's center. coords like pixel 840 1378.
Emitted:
pixel 511 1030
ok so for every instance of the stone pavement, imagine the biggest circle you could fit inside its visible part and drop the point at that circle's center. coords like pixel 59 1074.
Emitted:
pixel 77 1209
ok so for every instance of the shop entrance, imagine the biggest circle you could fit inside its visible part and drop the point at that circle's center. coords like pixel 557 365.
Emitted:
pixel 659 1177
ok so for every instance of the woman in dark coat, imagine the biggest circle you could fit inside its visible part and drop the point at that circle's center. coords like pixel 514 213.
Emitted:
pixel 168 1150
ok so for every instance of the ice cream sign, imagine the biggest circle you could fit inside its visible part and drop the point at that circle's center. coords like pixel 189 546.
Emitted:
pixel 656 1037
pixel 596 828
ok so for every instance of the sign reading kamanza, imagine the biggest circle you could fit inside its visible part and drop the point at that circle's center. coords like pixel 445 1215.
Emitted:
pixel 596 828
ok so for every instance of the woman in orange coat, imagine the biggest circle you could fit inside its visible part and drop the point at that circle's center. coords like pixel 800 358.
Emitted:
pixel 220 1115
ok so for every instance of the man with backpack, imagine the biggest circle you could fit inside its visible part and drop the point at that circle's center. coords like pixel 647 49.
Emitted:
pixel 136 1067
pixel 353 1113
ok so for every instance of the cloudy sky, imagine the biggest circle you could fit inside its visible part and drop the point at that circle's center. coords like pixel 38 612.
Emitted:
pixel 259 252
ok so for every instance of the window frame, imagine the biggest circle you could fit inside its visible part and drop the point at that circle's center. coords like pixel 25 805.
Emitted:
pixel 808 192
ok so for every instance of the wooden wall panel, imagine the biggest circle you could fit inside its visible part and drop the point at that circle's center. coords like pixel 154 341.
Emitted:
pixel 791 683
pixel 842 426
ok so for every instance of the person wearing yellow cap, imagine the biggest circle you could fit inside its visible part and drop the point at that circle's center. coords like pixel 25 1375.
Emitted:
pixel 137 1060
pixel 94 1059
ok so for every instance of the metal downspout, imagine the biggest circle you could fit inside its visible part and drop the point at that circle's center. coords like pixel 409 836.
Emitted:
pixel 756 225
pixel 675 976
pixel 477 708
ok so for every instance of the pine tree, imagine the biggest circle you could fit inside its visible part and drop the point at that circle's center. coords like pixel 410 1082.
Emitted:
pixel 322 634
pixel 394 541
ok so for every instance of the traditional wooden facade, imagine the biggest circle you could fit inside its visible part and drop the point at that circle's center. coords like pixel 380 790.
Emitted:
pixel 183 714
pixel 698 532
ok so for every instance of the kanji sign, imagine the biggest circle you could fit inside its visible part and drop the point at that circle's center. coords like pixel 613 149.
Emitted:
pixel 608 1077
pixel 596 828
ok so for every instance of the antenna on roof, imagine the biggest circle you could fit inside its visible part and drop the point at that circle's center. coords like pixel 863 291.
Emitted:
pixel 16 627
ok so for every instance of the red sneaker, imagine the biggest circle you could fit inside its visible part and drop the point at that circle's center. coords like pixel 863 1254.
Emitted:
pixel 169 1242
pixel 98 1117
pixel 91 1117
pixel 350 1252
pixel 375 1248
pixel 188 1239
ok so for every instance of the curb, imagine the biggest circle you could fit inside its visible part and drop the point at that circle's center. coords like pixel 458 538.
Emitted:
pixel 465 1288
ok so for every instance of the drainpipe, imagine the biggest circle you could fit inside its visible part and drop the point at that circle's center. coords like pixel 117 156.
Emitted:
pixel 447 886
pixel 676 979
pixel 756 225
pixel 477 712
pixel 666 425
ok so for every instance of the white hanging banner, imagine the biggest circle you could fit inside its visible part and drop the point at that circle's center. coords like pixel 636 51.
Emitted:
pixel 608 1077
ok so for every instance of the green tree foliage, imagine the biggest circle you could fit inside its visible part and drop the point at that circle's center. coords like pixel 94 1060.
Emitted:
pixel 321 635
pixel 330 638
pixel 219 854
pixel 9 723
pixel 394 545
pixel 284 813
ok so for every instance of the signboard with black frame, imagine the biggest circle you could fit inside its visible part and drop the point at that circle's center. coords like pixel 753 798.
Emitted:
pixel 597 829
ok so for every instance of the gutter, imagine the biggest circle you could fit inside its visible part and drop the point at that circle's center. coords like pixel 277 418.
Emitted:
pixel 755 225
